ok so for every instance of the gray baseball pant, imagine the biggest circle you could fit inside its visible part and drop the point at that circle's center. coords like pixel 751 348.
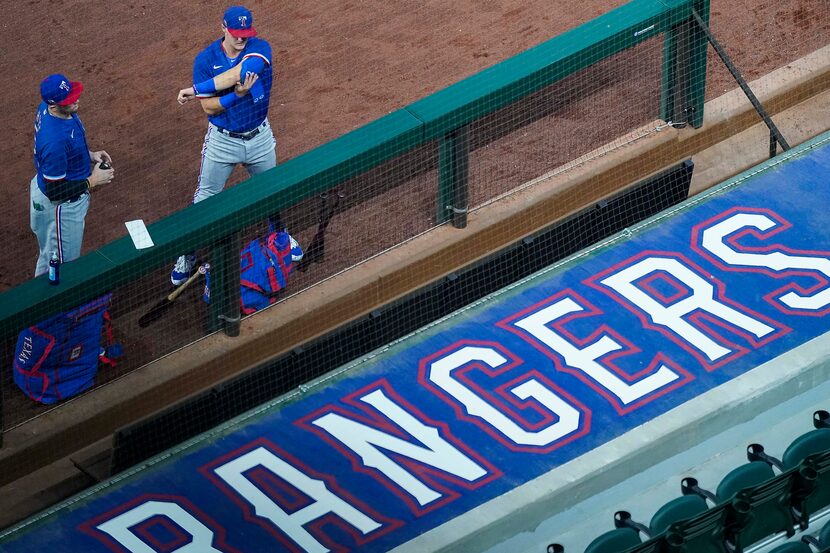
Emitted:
pixel 221 153
pixel 59 227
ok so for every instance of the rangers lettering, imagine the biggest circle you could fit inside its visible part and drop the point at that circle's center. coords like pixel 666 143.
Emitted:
pixel 324 501
pixel 588 359
pixel 672 317
pixel 121 528
pixel 369 444
pixel 716 241
pixel 567 418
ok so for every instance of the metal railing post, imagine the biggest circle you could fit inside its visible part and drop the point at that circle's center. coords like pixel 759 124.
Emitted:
pixel 683 86
pixel 224 286
pixel 453 177
pixel 668 82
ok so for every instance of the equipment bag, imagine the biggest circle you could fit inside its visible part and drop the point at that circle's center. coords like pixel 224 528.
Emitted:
pixel 265 264
pixel 58 358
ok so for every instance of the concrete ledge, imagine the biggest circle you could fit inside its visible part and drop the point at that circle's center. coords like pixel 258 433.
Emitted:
pixel 95 416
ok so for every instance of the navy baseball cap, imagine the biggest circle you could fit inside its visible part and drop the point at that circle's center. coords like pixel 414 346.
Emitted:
pixel 239 22
pixel 57 89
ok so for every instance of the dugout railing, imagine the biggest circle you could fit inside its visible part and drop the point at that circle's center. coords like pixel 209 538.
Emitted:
pixel 443 118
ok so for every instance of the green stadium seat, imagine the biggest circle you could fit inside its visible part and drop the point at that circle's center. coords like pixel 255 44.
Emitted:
pixel 815 441
pixel 745 476
pixel 792 547
pixel 759 510
pixel 614 541
pixel 808 454
pixel 703 533
pixel 676 510
pixel 657 544
pixel 813 494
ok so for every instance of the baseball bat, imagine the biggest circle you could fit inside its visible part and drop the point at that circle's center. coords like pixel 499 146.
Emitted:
pixel 158 309
pixel 317 248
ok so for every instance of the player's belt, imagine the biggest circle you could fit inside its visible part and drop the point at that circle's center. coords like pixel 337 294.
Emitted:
pixel 243 135
pixel 76 198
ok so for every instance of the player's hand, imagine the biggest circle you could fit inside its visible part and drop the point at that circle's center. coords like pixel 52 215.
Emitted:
pixel 100 156
pixel 100 176
pixel 186 94
pixel 244 87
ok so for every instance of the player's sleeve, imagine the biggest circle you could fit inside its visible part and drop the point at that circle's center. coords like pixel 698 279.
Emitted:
pixel 252 64
pixel 259 54
pixel 255 61
pixel 202 71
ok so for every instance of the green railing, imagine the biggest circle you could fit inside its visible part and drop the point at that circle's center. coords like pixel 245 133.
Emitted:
pixel 443 116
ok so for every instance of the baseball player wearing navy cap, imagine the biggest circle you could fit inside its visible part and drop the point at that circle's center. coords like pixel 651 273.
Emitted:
pixel 232 80
pixel 59 192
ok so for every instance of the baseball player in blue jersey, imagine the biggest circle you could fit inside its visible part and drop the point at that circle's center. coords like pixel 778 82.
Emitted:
pixel 232 80
pixel 59 192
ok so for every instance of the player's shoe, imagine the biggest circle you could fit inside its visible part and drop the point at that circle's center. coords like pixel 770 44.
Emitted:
pixel 183 269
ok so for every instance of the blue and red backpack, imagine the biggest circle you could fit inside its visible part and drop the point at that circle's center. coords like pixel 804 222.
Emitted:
pixel 265 264
pixel 58 358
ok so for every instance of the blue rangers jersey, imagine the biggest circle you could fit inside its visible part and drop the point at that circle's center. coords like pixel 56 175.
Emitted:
pixel 252 110
pixel 61 151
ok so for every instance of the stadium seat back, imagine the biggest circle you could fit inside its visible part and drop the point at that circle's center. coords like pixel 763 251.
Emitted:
pixel 703 533
pixel 615 541
pixel 745 476
pixel 818 497
pixel 762 511
pixel 677 509
pixel 815 441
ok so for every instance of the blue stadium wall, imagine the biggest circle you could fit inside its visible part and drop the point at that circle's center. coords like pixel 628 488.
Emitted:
pixel 494 396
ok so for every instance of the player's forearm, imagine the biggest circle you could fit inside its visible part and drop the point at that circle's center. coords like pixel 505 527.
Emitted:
pixel 218 104
pixel 220 82
pixel 211 105
pixel 251 64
